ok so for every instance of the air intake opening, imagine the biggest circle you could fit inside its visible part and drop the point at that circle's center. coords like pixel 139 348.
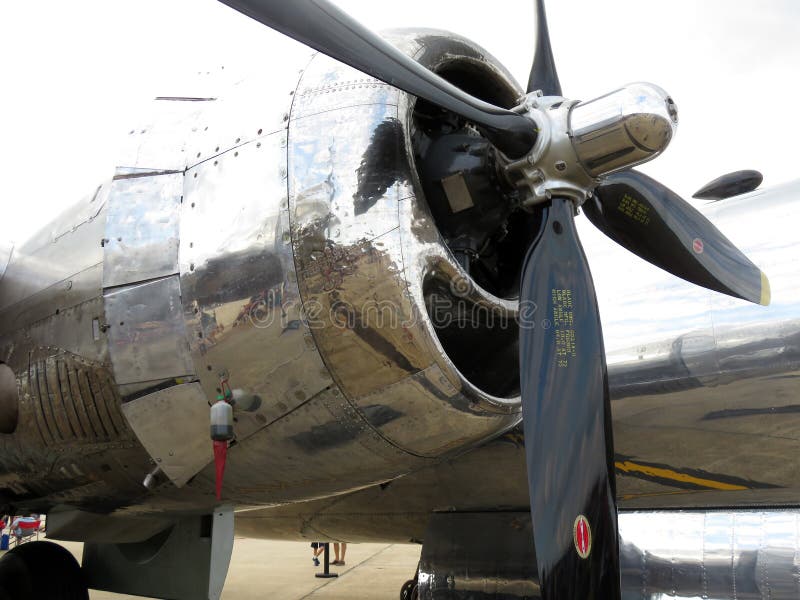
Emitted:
pixel 480 222
pixel 482 339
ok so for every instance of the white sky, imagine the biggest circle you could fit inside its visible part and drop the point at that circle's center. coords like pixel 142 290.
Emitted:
pixel 76 74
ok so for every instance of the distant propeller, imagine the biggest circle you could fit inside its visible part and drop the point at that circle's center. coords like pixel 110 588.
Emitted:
pixel 656 224
pixel 321 25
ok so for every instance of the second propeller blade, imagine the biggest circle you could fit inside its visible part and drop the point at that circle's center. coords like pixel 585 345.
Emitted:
pixel 566 418
pixel 656 224
pixel 543 74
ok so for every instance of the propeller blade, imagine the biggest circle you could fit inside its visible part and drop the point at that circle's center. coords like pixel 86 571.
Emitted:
pixel 566 418
pixel 730 184
pixel 543 72
pixel 656 224
pixel 321 25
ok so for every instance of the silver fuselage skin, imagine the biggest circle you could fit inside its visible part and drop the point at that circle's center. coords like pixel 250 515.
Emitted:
pixel 275 242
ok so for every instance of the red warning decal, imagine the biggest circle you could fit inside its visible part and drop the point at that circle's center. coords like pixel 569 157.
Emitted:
pixel 697 246
pixel 582 536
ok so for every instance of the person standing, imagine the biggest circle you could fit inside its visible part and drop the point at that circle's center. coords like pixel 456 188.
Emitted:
pixel 317 549
pixel 337 558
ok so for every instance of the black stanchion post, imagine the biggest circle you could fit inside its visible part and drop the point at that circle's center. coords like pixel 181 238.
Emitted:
pixel 326 573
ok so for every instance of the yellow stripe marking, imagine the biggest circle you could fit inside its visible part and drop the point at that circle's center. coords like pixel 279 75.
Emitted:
pixel 628 467
pixel 659 494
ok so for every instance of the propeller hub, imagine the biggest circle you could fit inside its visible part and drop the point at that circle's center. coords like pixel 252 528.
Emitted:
pixel 580 142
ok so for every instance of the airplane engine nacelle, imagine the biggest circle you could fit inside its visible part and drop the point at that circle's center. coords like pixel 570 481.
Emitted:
pixel 427 357
pixel 291 245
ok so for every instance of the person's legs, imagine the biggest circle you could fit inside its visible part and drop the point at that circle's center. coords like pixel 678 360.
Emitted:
pixel 344 551
pixel 317 548
pixel 336 552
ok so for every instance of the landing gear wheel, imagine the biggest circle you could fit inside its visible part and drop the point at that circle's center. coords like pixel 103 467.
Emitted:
pixel 409 590
pixel 41 571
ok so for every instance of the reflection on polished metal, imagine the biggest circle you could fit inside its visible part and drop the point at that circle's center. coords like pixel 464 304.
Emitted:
pixel 276 244
pixel 486 556
pixel 9 400
pixel 365 245
pixel 180 452
pixel 708 555
pixel 302 232
pixel 622 129
pixel 702 381
pixel 579 142
pixel 715 555
pixel 141 240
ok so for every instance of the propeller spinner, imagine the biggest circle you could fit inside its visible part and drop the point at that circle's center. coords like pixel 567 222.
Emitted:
pixel 557 154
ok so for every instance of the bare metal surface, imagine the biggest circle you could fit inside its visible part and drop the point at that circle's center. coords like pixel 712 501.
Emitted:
pixel 478 555
pixel 714 555
pixel 57 268
pixel 622 129
pixel 159 139
pixel 141 238
pixel 71 443
pixel 9 400
pixel 183 449
pixel 147 336
pixel 241 306
pixel 362 263
pixel 72 401
pixel 62 248
pixel 285 260
pixel 709 555
pixel 307 453
pixel 579 142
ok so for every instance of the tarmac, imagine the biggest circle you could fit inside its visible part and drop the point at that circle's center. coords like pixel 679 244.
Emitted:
pixel 262 569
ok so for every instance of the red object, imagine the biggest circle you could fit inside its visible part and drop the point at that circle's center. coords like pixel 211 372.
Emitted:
pixel 582 536
pixel 697 246
pixel 29 524
pixel 220 455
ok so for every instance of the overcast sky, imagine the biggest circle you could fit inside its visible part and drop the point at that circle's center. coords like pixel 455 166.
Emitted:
pixel 76 74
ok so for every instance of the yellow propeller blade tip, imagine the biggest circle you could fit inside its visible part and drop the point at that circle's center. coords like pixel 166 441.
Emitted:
pixel 766 294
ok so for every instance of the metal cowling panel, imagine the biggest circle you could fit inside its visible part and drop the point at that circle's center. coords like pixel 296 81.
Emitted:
pixel 147 335
pixel 141 287
pixel 141 235
pixel 72 400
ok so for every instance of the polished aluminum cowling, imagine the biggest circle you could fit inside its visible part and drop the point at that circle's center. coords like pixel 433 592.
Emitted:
pixel 271 242
pixel 368 254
